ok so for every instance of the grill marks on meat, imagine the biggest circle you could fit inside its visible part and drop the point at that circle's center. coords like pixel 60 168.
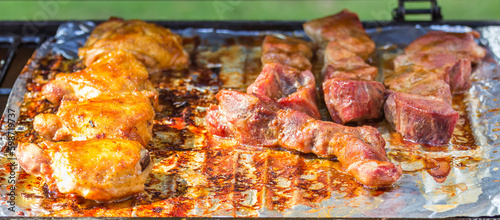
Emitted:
pixel 155 46
pixel 259 121
pixel 433 67
pixel 350 92
pixel 101 170
pixel 289 51
pixel 291 87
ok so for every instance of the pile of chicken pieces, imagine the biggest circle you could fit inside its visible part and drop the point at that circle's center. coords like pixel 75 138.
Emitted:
pixel 95 144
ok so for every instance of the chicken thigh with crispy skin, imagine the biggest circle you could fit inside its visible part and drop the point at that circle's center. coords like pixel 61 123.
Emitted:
pixel 116 72
pixel 102 170
pixel 126 116
pixel 155 46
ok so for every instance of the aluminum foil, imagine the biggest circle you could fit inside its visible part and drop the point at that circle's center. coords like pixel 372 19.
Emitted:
pixel 469 190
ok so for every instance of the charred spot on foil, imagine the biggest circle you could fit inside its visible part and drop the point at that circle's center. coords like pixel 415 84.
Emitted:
pixel 145 160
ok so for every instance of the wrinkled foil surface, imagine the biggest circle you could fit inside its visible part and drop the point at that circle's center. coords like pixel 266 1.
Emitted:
pixel 472 187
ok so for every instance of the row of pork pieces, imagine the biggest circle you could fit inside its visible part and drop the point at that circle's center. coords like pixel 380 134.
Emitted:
pixel 95 144
pixel 279 108
pixel 418 103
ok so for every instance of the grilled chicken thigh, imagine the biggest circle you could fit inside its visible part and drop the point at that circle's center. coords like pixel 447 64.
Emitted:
pixel 116 72
pixel 155 46
pixel 259 121
pixel 127 116
pixel 102 170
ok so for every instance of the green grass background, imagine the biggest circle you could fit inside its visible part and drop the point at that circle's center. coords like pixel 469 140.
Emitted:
pixel 235 9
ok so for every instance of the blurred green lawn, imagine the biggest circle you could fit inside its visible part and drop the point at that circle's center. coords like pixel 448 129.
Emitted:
pixel 234 9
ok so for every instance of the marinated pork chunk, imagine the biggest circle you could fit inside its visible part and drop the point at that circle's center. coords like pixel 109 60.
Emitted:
pixel 155 46
pixel 349 90
pixel 462 45
pixel 116 72
pixel 289 51
pixel 102 170
pixel 259 121
pixel 290 87
pixel 434 66
pixel 344 28
pixel 126 116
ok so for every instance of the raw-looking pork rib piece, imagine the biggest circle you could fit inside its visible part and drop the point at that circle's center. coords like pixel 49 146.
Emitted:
pixel 350 92
pixel 125 116
pixel 290 87
pixel 290 51
pixel 343 27
pixel 421 119
pixel 116 72
pixel 435 65
pixel 259 121
pixel 153 45
pixel 102 170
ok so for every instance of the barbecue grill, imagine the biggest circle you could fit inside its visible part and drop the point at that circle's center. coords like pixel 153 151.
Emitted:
pixel 17 44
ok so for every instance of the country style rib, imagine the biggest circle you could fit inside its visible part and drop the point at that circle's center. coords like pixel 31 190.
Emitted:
pixel 259 121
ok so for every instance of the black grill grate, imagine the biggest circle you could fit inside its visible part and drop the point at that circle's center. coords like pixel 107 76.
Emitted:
pixel 14 54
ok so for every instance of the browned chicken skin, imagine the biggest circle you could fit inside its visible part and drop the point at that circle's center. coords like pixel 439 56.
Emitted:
pixel 116 72
pixel 155 46
pixel 126 116
pixel 259 121
pixel 102 170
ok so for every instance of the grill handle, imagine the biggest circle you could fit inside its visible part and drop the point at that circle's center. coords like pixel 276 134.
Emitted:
pixel 400 12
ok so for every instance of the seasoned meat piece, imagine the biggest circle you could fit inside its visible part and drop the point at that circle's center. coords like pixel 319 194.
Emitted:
pixel 353 100
pixel 435 64
pixel 349 90
pixel 116 72
pixel 448 67
pixel 290 51
pixel 292 88
pixel 127 116
pixel 102 170
pixel 259 121
pixel 461 45
pixel 344 28
pixel 340 62
pixel 421 119
pixel 155 46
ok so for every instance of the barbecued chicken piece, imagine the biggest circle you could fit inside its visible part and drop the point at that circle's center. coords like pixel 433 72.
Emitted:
pixel 343 27
pixel 155 46
pixel 350 93
pixel 116 72
pixel 461 45
pixel 102 170
pixel 124 116
pixel 259 121
pixel 290 87
pixel 289 51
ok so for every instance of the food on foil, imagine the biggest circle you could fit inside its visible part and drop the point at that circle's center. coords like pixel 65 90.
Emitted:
pixel 155 46
pixel 291 88
pixel 419 103
pixel 116 72
pixel 100 169
pixel 108 116
pixel 259 121
pixel 290 51
pixel 344 28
